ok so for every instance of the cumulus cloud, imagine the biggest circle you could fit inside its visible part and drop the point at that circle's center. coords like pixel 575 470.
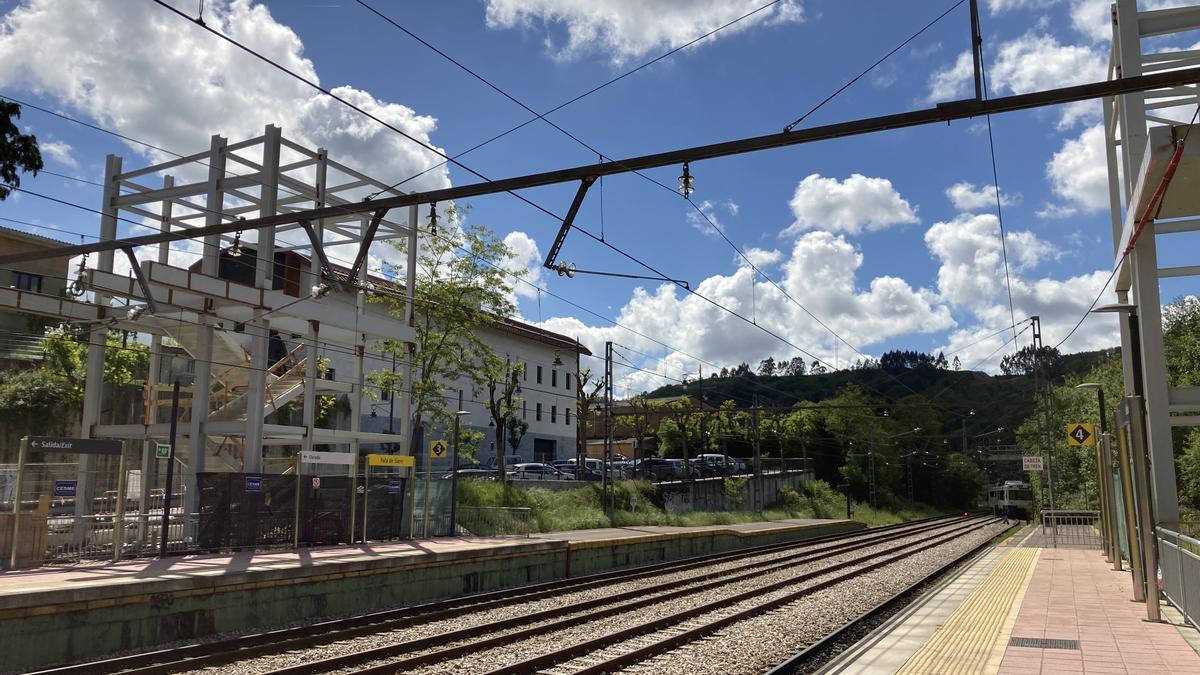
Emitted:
pixel 526 261
pixel 626 29
pixel 1000 6
pixel 710 220
pixel 971 278
pixel 951 82
pixel 966 197
pixel 1093 18
pixel 820 272
pixel 1078 172
pixel 856 204
pixel 155 77
pixel 60 152
pixel 760 257
pixel 1031 62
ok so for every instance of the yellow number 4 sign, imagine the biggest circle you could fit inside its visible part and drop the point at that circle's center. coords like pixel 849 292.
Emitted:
pixel 1081 433
pixel 437 449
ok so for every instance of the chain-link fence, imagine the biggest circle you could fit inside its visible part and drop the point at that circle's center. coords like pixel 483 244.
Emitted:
pixel 494 521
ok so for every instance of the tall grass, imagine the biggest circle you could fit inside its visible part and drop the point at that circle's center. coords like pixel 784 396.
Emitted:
pixel 637 504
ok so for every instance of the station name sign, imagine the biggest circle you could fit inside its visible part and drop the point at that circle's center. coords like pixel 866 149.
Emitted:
pixel 79 446
pixel 407 461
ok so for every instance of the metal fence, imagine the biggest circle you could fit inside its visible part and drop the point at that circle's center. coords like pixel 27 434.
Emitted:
pixel 494 521
pixel 1179 558
pixel 1071 529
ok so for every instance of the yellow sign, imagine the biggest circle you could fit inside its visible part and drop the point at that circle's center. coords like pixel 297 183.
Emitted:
pixel 1081 433
pixel 437 449
pixel 407 461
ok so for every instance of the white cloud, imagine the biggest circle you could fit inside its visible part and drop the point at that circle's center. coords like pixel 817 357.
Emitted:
pixel 626 29
pixel 1093 18
pixel 1055 211
pixel 158 78
pixel 853 205
pixel 1078 172
pixel 526 260
pixel 966 197
pixel 820 272
pixel 760 257
pixel 59 151
pixel 1029 63
pixel 1000 6
pixel 950 83
pixel 709 208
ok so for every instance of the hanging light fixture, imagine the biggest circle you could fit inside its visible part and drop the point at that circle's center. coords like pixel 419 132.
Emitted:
pixel 236 249
pixel 687 184
pixel 433 219
pixel 557 359
pixel 565 270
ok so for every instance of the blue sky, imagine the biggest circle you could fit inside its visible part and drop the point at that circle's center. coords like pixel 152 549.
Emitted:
pixel 868 233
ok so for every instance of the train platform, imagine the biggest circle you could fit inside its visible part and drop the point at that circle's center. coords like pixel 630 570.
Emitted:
pixel 1024 608
pixel 88 611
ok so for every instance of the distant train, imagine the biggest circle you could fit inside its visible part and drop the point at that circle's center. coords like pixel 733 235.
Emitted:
pixel 1016 495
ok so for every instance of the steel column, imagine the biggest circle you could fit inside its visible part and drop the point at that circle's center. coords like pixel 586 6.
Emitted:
pixel 260 330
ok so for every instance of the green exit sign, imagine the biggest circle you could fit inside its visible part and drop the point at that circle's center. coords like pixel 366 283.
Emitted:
pixel 162 450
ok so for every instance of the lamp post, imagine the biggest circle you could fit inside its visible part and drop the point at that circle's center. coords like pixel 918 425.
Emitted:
pixel 454 472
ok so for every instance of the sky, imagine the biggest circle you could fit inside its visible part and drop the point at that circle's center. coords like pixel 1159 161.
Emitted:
pixel 837 251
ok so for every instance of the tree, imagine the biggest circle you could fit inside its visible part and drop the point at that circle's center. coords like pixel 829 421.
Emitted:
pixel 461 287
pixel 795 367
pixel 817 368
pixel 585 400
pixel 18 152
pixel 503 385
pixel 517 428
pixel 940 361
pixel 1025 362
pixel 639 422
pixel 957 364
pixel 766 367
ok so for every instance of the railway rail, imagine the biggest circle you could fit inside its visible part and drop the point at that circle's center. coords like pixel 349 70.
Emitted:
pixel 440 633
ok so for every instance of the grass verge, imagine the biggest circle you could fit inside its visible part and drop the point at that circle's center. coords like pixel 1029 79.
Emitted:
pixel 638 503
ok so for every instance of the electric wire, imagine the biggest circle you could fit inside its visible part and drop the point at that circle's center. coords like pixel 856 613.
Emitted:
pixel 996 188
pixel 597 88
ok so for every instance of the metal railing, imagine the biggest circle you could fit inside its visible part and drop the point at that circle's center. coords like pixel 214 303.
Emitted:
pixel 494 521
pixel 1179 559
pixel 81 539
pixel 1071 529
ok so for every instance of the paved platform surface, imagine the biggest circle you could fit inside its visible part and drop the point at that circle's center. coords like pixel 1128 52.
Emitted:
pixel 1068 595
pixel 16 585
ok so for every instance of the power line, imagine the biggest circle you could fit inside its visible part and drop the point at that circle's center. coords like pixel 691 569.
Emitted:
pixel 595 89
pixel 872 67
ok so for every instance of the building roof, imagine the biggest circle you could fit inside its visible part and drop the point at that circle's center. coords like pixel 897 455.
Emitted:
pixel 10 233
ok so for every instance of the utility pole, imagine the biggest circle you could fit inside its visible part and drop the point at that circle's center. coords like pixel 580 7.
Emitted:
pixel 871 464
pixel 757 479
pixel 609 488
pixel 1042 388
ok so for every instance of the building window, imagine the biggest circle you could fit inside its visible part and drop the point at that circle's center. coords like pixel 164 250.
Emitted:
pixel 538 413
pixel 23 281
pixel 524 410
pixel 525 372
pixel 383 394
pixel 568 413
pixel 553 378
pixel 329 373
pixel 553 414
pixel 568 382
pixel 539 377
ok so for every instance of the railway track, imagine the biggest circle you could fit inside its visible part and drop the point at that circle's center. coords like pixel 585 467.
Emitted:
pixel 425 636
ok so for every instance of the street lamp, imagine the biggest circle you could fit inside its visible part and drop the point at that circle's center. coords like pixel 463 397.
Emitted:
pixel 454 473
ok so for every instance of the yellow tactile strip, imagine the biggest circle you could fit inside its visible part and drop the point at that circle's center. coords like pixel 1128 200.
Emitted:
pixel 967 641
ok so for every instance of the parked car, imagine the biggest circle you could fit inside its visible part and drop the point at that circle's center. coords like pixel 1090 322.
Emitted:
pixel 719 465
pixel 537 471
pixel 477 474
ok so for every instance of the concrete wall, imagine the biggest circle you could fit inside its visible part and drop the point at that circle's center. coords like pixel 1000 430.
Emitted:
pixel 708 494
pixel 42 628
